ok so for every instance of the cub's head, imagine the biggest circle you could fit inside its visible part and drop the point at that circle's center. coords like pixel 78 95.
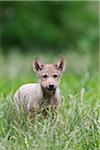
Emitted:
pixel 49 74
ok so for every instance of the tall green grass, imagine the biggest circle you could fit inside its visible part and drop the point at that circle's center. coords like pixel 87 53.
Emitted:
pixel 77 124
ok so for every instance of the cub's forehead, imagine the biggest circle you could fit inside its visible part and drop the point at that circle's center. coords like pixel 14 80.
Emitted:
pixel 50 68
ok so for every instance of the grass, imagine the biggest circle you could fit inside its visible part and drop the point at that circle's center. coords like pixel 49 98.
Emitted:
pixel 77 125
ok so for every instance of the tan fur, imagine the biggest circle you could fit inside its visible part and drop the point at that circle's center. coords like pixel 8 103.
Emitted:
pixel 33 96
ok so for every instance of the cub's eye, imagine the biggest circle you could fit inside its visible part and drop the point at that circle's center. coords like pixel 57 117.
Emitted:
pixel 55 75
pixel 45 76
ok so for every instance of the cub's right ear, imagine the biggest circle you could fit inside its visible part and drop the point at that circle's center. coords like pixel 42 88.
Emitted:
pixel 37 65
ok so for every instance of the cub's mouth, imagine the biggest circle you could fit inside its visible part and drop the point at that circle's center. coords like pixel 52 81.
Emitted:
pixel 51 89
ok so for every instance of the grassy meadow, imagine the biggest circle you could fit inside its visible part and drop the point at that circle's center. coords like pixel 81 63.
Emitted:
pixel 77 124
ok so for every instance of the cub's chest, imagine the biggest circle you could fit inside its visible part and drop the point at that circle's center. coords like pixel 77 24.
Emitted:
pixel 49 101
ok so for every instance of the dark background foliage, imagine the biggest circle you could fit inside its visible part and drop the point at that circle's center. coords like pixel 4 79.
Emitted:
pixel 49 25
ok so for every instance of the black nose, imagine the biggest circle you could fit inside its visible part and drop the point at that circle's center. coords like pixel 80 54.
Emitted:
pixel 51 86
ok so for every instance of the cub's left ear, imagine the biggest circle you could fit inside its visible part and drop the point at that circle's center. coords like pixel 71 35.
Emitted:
pixel 60 64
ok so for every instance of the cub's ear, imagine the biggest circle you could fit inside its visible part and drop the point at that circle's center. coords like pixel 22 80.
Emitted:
pixel 60 64
pixel 37 65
